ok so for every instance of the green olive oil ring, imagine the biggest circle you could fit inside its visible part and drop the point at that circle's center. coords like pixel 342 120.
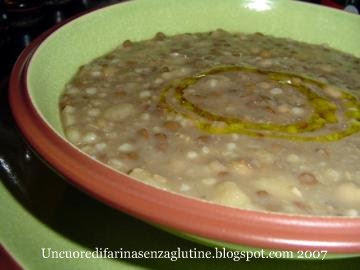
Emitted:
pixel 324 110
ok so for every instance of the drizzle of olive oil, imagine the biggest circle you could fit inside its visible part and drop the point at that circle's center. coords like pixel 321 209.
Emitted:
pixel 324 110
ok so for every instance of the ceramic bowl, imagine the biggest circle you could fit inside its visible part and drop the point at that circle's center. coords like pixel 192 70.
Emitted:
pixel 42 70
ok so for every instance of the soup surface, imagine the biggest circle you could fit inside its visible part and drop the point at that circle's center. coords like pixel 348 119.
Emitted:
pixel 245 120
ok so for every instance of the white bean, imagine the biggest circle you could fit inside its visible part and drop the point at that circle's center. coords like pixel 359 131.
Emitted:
pixel 276 91
pixel 292 158
pixel 145 116
pixel 184 187
pixel 69 109
pixel 145 94
pixel 297 111
pixel 191 155
pixel 216 166
pixel 332 91
pixel 100 146
pixel 94 112
pixel 348 194
pixel 68 119
pixel 333 175
pixel 126 147
pixel 231 146
pixel 228 193
pixel 116 163
pixel 73 134
pixel 90 137
pixel 205 150
pixel 119 112
pixel 209 181
pixel 91 91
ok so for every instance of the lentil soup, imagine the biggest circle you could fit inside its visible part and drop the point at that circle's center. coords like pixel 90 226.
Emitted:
pixel 244 120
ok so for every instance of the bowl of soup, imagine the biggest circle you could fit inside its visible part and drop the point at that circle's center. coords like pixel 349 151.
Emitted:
pixel 233 123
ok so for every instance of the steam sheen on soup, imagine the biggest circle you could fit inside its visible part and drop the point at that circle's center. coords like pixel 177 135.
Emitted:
pixel 244 120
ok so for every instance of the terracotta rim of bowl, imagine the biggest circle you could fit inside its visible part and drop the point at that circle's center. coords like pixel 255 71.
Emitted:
pixel 216 222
